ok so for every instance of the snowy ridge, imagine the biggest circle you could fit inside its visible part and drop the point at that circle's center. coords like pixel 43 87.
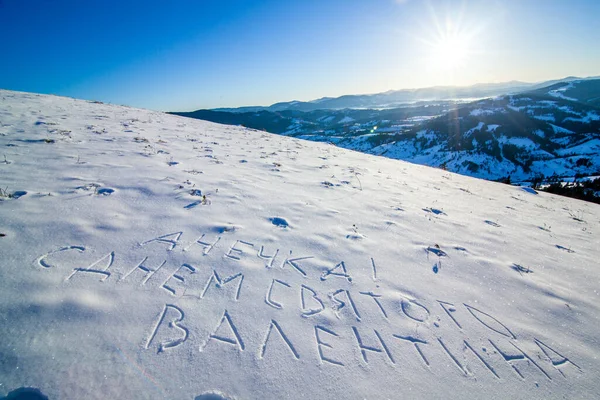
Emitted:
pixel 146 255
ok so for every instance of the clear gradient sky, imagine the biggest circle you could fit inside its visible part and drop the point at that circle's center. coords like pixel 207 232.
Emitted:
pixel 190 54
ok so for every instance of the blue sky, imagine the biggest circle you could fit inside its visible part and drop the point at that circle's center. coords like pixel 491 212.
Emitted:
pixel 185 55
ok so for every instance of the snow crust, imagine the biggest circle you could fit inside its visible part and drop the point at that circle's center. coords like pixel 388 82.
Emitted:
pixel 145 255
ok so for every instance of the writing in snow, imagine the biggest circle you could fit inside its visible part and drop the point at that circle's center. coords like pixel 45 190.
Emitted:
pixel 171 328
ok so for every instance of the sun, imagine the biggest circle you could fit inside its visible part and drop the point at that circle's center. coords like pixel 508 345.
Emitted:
pixel 451 51
pixel 449 44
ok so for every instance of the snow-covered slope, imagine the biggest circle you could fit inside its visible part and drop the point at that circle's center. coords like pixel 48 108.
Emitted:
pixel 521 136
pixel 144 255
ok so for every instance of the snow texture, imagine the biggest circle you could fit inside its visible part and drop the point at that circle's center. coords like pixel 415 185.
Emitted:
pixel 145 255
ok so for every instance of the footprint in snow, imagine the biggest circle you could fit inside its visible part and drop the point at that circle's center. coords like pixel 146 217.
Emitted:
pixel 355 236
pixel 105 191
pixel 434 211
pixel 568 250
pixel 18 194
pixel 492 223
pixel 436 250
pixel 280 222
pixel 225 228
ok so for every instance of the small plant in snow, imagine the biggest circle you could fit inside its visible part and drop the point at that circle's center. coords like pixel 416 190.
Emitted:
pixel 521 269
pixel 577 216
pixel 4 193
pixel 194 172
pixel 545 227
pixel 437 250
pixel 170 163
pixel 353 171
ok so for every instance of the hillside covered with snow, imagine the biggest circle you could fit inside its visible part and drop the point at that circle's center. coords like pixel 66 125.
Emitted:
pixel 147 255
pixel 539 133
pixel 549 131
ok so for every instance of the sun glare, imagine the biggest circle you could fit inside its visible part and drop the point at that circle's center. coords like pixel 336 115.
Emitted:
pixel 451 51
pixel 449 44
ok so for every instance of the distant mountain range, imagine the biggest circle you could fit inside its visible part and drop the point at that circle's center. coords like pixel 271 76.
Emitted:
pixel 528 131
pixel 396 98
